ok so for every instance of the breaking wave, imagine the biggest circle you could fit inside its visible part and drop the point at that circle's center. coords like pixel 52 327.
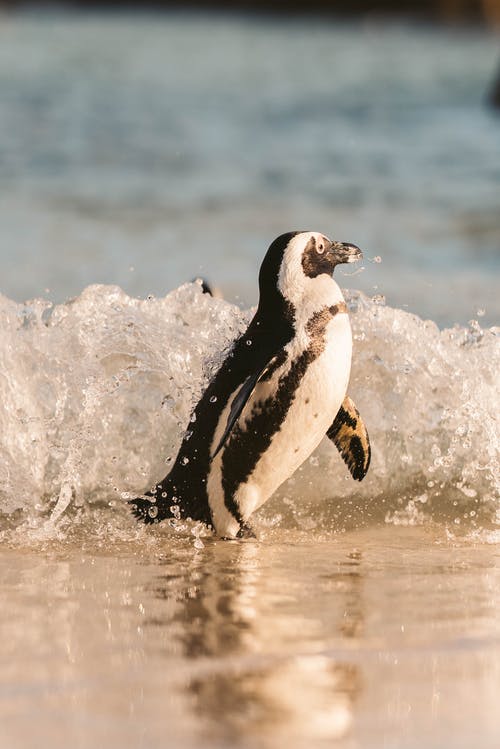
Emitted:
pixel 95 395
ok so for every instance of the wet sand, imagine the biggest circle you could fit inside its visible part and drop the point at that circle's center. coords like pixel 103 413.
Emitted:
pixel 386 637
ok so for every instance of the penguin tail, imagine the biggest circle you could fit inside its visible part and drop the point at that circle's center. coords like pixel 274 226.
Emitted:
pixel 154 507
pixel 147 510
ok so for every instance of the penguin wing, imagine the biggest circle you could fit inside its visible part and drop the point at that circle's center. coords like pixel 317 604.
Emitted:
pixel 349 435
pixel 241 398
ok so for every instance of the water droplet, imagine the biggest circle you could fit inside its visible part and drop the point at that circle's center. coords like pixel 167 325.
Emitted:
pixel 198 544
pixel 153 512
pixel 377 259
pixel 193 418
pixel 185 461
pixel 164 494
pixel 249 342
pixel 480 312
pixel 474 334
pixel 213 399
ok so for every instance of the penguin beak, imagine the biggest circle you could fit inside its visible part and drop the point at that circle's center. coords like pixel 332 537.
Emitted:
pixel 343 252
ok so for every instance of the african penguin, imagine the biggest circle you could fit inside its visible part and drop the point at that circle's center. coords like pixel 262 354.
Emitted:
pixel 281 388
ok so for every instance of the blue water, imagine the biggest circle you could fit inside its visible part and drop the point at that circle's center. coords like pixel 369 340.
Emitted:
pixel 143 150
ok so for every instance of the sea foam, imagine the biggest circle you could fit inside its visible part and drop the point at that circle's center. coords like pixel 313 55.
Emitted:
pixel 96 394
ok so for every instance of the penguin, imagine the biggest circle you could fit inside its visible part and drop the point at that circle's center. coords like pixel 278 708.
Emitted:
pixel 280 389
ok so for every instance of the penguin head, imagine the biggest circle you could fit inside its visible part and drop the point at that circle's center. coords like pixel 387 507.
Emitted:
pixel 319 255
pixel 299 265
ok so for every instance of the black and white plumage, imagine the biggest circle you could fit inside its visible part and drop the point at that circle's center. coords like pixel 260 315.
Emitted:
pixel 281 388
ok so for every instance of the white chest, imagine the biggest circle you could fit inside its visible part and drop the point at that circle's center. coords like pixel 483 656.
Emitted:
pixel 306 392
pixel 316 401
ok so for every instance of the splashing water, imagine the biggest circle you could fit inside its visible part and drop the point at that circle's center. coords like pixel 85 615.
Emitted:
pixel 96 394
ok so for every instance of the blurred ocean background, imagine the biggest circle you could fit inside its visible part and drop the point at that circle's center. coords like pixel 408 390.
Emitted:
pixel 144 149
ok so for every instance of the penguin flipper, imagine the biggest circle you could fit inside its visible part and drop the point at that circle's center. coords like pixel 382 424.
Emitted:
pixel 350 437
pixel 240 400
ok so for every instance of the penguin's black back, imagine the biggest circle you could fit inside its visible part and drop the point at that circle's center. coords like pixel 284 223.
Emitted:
pixel 270 330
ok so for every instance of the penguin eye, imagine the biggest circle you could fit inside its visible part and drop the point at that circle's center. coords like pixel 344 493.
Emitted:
pixel 320 248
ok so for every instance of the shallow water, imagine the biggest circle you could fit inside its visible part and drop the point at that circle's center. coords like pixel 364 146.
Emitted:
pixel 379 638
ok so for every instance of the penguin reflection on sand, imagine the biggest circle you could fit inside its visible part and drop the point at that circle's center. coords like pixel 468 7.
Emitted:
pixel 281 388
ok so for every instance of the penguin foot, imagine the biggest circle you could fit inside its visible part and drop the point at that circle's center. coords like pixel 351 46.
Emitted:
pixel 246 531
